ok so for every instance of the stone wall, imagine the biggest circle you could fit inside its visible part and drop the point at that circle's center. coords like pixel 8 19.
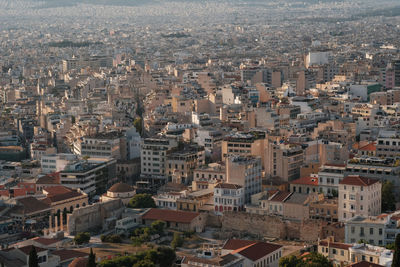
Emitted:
pixel 273 226
pixel 94 216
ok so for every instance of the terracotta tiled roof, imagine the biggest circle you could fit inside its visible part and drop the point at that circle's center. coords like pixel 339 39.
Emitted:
pixel 29 205
pixel 59 193
pixel 170 215
pixel 46 241
pixel 53 178
pixel 66 254
pixel 228 186
pixel 335 245
pixel 234 244
pixel 306 181
pixel 369 147
pixel 79 262
pixel 257 251
pixel 365 264
pixel 121 188
pixel 358 180
pixel 28 249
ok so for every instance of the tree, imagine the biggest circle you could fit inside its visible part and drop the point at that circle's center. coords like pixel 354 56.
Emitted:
pixel 142 201
pixel 92 259
pixel 158 227
pixel 33 258
pixel 388 199
pixel 144 263
pixel 311 259
pixel 82 238
pixel 138 125
pixel 396 255
pixel 177 241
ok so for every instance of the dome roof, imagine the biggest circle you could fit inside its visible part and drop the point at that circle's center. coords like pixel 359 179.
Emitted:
pixel 79 262
pixel 121 188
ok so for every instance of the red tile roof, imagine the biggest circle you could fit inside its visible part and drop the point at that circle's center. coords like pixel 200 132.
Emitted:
pixel 228 186
pixel 170 215
pixel 335 245
pixel 66 254
pixel 234 244
pixel 60 193
pixel 46 241
pixel 306 181
pixel 257 251
pixel 369 147
pixel 28 249
pixel 358 180
pixel 365 264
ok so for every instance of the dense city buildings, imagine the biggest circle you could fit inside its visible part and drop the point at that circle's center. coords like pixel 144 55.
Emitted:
pixel 196 132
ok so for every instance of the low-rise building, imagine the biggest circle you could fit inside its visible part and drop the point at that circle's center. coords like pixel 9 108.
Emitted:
pixel 228 197
pixel 178 220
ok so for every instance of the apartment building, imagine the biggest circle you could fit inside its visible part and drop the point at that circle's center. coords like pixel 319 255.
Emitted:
pixel 342 254
pixel 383 169
pixel 359 196
pixel 329 177
pixel 376 230
pixel 283 161
pixel 102 145
pixel 56 162
pixel 244 144
pixel 92 176
pixel 180 163
pixel 228 197
pixel 246 172
pixel 153 158
pixel 207 176
pixel 388 144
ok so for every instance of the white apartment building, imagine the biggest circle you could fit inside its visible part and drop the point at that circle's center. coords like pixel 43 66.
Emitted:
pixel 102 145
pixel 376 230
pixel 154 155
pixel 329 177
pixel 359 196
pixel 246 172
pixel 228 197
pixel 56 162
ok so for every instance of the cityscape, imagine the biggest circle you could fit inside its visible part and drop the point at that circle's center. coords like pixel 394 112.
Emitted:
pixel 230 133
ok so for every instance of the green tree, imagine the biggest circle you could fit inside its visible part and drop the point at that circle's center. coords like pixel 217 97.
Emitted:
pixel 92 259
pixel 144 263
pixel 141 201
pixel 158 227
pixel 138 123
pixel 309 260
pixel 396 255
pixel 33 258
pixel 82 238
pixel 388 199
pixel 177 241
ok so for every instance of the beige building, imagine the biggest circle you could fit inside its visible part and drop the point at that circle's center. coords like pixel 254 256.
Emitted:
pixel 178 220
pixel 244 144
pixel 180 163
pixel 246 172
pixel 359 196
pixel 283 161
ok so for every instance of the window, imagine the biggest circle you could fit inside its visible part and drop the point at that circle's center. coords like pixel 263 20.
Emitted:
pixel 371 231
